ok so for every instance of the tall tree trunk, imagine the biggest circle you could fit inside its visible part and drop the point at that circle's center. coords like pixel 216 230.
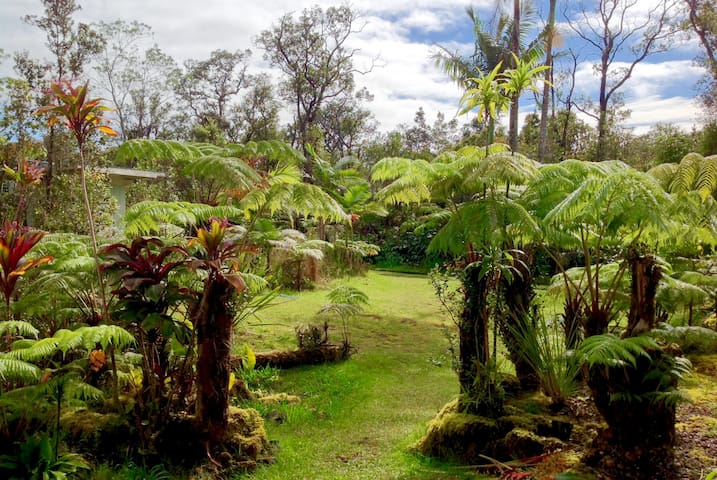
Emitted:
pixel 514 106
pixel 213 324
pixel 549 34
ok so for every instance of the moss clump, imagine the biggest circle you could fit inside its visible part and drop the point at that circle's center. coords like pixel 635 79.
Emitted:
pixel 246 436
pixel 524 443
pixel 245 443
pixel 465 437
pixel 279 398
pixel 458 436
pixel 96 433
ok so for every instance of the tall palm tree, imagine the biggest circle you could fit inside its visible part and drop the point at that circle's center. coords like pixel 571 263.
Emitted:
pixel 493 48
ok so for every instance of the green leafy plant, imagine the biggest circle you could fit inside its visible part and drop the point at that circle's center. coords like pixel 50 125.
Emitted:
pixel 544 349
pixel 27 175
pixel 148 304
pixel 37 458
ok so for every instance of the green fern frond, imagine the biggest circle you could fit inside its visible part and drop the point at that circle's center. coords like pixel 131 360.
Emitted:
pixel 15 370
pixel 358 247
pixel 106 336
pixel 18 328
pixel 311 200
pixel 609 350
pixel 664 173
pixel 145 149
pixel 348 295
pixel 229 171
pixel 687 171
pixel 147 217
pixel 34 350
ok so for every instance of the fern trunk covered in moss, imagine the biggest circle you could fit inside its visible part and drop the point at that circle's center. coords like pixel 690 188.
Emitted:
pixel 477 380
pixel 213 324
pixel 646 275
pixel 638 398
pixel 518 294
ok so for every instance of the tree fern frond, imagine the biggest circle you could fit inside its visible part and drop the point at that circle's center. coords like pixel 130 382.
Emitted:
pixel 664 173
pixel 145 149
pixel 687 171
pixel 34 350
pixel 609 350
pixel 311 200
pixel 706 181
pixel 347 294
pixel 106 336
pixel 147 217
pixel 15 370
pixel 229 171
pixel 18 327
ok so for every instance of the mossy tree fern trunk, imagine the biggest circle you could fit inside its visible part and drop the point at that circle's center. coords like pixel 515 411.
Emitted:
pixel 213 324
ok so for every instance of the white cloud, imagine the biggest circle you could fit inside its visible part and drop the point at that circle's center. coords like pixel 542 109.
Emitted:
pixel 406 80
pixel 680 111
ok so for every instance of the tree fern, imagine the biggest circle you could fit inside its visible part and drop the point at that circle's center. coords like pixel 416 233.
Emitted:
pixel 14 370
pixel 65 340
pixel 17 328
pixel 609 350
pixel 488 221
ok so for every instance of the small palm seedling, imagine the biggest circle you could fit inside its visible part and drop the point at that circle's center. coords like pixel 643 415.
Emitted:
pixel 544 348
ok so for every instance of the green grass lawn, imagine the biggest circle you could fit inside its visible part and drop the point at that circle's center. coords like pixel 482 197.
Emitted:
pixel 358 419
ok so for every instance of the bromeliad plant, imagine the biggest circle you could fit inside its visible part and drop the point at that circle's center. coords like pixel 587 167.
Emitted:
pixel 15 243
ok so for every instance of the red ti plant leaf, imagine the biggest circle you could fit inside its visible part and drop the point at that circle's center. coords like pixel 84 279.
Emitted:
pixel 15 243
pixel 80 115
pixel 141 264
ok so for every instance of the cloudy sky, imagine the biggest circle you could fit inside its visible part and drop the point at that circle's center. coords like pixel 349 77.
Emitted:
pixel 400 33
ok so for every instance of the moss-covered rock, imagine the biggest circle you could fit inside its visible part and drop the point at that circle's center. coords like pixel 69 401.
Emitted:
pixel 458 436
pixel 97 434
pixel 464 437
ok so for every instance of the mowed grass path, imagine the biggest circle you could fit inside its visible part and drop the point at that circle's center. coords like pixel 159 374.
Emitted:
pixel 357 419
